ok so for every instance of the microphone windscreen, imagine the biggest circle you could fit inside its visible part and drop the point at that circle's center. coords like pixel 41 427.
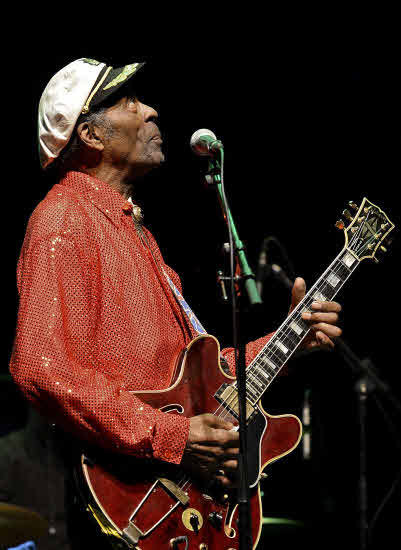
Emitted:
pixel 196 144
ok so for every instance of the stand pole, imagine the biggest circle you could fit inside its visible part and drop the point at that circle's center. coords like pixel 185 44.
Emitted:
pixel 361 388
pixel 215 176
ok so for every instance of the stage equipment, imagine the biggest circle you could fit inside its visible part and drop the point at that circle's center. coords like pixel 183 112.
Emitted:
pixel 17 525
pixel 204 143
pixel 368 383
pixel 145 502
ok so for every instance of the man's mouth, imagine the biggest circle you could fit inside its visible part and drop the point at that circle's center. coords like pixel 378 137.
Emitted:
pixel 157 137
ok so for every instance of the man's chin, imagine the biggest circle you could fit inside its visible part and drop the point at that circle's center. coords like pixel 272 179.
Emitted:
pixel 161 156
pixel 156 160
pixel 152 162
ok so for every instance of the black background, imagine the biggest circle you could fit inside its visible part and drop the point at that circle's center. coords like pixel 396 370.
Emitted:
pixel 308 123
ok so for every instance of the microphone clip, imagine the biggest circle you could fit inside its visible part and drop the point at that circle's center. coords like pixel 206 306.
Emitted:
pixel 213 174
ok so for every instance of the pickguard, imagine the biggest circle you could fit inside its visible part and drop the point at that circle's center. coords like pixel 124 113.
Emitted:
pixel 255 431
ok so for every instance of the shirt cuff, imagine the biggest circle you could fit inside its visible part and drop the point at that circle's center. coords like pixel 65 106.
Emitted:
pixel 170 438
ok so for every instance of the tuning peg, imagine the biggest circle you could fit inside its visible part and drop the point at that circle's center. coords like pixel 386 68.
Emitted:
pixel 354 229
pixel 383 249
pixel 384 226
pixel 353 205
pixel 377 236
pixel 339 224
pixel 347 215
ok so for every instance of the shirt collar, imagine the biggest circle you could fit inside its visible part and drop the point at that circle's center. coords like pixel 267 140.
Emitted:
pixel 105 198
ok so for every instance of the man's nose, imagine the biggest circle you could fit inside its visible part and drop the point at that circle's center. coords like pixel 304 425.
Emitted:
pixel 150 113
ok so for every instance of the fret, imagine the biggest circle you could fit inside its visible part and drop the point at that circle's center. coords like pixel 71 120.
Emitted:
pixel 279 343
pixel 251 396
pixel 348 259
pixel 289 339
pixel 263 377
pixel 297 328
pixel 333 279
pixel 278 354
pixel 326 289
pixel 253 386
pixel 268 365
pixel 319 296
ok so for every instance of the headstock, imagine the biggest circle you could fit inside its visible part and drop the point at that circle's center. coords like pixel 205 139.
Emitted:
pixel 367 230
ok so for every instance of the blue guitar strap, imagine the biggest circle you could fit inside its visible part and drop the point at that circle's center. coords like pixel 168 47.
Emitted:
pixel 185 307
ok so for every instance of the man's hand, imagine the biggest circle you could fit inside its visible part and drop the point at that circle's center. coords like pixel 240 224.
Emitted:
pixel 322 320
pixel 212 450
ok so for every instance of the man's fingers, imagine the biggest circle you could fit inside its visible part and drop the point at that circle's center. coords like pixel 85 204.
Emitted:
pixel 331 317
pixel 326 306
pixel 219 453
pixel 216 422
pixel 229 465
pixel 329 330
pixel 324 340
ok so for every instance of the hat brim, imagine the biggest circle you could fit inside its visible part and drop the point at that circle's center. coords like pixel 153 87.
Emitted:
pixel 115 79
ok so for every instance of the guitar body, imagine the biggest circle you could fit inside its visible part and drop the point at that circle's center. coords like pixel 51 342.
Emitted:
pixel 148 504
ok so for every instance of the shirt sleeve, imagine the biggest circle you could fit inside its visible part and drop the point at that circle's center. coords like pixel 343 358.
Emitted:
pixel 251 351
pixel 58 314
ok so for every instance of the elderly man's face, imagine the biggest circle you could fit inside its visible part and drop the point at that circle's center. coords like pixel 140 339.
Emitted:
pixel 135 143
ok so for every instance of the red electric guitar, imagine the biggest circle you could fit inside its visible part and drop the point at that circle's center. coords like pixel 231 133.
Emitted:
pixel 149 504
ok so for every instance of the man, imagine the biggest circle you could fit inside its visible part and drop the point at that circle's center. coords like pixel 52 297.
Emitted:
pixel 98 312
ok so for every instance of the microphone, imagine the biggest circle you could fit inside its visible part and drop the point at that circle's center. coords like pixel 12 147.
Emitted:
pixel 261 273
pixel 282 276
pixel 266 268
pixel 204 143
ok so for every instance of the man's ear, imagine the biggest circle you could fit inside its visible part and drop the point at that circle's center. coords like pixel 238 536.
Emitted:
pixel 91 136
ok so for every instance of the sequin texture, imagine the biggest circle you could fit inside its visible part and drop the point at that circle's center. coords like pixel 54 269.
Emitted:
pixel 97 319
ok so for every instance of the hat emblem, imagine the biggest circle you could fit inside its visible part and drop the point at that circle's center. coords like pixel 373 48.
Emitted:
pixel 91 61
pixel 125 73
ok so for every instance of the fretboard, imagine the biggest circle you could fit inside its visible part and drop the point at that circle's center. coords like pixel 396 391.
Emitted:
pixel 271 359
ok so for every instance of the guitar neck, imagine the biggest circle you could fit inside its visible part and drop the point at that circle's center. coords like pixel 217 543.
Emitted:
pixel 272 358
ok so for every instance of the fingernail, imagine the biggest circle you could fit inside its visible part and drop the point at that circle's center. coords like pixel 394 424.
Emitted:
pixel 306 315
pixel 316 305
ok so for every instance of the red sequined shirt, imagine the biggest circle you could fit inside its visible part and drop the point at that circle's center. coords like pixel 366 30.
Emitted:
pixel 97 318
